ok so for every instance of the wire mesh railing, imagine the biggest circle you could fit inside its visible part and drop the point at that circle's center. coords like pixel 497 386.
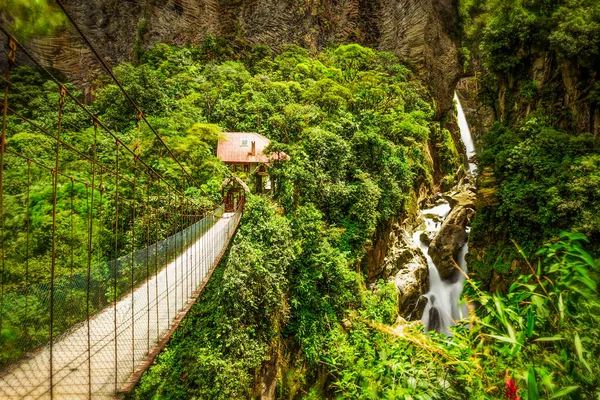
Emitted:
pixel 102 249
pixel 99 360
pixel 24 304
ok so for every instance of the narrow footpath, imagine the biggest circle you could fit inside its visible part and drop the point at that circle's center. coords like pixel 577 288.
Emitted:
pixel 143 318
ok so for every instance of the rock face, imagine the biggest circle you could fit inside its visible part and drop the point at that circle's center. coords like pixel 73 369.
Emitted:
pixel 479 115
pixel 418 31
pixel 406 266
pixel 445 248
pixel 568 104
pixel 412 280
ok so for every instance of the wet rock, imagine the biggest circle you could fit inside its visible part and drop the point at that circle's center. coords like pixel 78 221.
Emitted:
pixel 427 236
pixel 433 217
pixel 412 281
pixel 465 197
pixel 445 248
pixel 405 265
pixel 480 116
pixel 438 199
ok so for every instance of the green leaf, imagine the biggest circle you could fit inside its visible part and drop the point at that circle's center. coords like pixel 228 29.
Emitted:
pixel 564 391
pixel 578 346
pixel 587 282
pixel 500 309
pixel 511 332
pixel 530 322
pixel 503 339
pixel 561 307
pixel 574 236
pixel 579 350
pixel 532 388
pixel 585 256
pixel 549 339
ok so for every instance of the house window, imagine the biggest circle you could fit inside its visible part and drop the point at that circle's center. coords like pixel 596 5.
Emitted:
pixel 246 167
pixel 244 143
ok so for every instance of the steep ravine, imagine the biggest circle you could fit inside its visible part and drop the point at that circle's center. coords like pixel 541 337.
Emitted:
pixel 419 32
pixel 443 240
pixel 425 254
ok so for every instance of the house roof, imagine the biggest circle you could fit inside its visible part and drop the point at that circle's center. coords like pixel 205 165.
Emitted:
pixel 237 148
pixel 234 180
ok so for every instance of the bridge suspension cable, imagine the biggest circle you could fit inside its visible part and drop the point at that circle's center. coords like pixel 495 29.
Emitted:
pixel 133 103
pixel 101 254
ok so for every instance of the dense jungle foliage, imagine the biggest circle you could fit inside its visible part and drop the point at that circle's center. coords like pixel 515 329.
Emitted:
pixel 354 121
pixel 27 207
pixel 356 126
pixel 540 169
pixel 287 297
pixel 282 272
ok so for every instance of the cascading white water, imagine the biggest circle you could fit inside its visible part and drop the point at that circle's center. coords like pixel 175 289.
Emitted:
pixel 465 134
pixel 443 297
pixel 443 307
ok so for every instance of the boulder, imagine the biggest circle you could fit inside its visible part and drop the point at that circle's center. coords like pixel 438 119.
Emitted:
pixel 433 217
pixel 412 281
pixel 445 247
pixel 406 266
pixel 465 197
pixel 427 236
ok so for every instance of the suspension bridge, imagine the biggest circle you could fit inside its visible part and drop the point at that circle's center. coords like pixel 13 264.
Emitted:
pixel 82 315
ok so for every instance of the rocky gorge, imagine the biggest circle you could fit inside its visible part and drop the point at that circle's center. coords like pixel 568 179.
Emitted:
pixel 440 234
pixel 418 32
pixel 345 279
pixel 425 257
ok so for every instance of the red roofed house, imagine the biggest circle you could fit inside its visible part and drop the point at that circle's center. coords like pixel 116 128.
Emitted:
pixel 244 151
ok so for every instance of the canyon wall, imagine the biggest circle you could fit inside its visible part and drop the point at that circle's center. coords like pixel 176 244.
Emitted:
pixel 418 31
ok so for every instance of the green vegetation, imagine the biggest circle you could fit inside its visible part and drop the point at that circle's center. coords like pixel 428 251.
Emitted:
pixel 307 315
pixel 539 55
pixel 507 34
pixel 541 335
pixel 227 335
pixel 358 141
pixel 289 299
pixel 537 69
pixel 544 181
pixel 32 18
pixel 240 319
pixel 27 204
pixel 356 128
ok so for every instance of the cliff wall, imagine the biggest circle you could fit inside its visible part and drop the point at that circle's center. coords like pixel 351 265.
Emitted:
pixel 418 31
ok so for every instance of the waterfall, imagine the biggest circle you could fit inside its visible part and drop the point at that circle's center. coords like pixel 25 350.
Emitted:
pixel 465 135
pixel 443 307
pixel 443 298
